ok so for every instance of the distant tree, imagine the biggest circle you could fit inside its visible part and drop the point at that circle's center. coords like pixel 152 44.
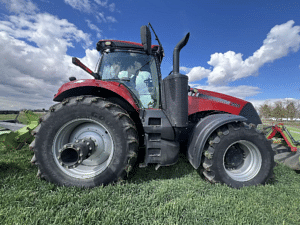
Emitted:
pixel 291 110
pixel 279 111
pixel 297 106
pixel 265 110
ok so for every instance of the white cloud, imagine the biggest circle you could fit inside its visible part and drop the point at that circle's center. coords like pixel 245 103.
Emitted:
pixel 47 31
pixel 31 72
pixel 229 66
pixel 92 8
pixel 198 73
pixel 111 19
pixel 112 7
pixel 95 28
pixel 81 5
pixel 106 19
pixel 20 6
pixel 102 3
pixel 185 69
pixel 101 17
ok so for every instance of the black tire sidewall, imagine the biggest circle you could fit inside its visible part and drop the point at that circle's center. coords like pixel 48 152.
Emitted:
pixel 56 120
pixel 255 138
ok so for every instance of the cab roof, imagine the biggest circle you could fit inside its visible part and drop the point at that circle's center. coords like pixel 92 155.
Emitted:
pixel 122 45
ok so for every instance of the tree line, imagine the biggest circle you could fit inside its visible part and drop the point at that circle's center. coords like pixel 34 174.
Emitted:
pixel 281 109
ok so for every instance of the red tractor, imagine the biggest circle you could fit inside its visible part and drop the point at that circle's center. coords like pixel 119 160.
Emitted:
pixel 95 132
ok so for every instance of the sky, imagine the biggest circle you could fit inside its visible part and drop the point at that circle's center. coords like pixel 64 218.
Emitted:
pixel 248 49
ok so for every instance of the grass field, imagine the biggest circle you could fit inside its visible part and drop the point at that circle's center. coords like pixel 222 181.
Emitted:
pixel 170 195
pixel 295 132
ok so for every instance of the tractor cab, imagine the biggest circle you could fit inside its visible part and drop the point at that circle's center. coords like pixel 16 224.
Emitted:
pixel 128 64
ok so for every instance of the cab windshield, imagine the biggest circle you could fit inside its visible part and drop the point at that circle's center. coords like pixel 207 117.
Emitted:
pixel 135 70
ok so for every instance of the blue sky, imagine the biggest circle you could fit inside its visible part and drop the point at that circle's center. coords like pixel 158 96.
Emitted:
pixel 248 49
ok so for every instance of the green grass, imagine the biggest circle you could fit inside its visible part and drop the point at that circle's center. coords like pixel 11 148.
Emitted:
pixel 295 132
pixel 170 195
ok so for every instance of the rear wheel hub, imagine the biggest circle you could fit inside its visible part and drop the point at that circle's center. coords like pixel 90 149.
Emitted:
pixel 234 157
pixel 242 160
pixel 95 160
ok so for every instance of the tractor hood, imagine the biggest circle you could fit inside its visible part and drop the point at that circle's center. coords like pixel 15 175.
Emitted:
pixel 203 100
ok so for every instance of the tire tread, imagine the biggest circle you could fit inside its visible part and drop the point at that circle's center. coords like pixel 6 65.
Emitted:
pixel 210 149
pixel 118 112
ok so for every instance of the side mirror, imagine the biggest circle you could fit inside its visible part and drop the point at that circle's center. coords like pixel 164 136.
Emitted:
pixel 146 39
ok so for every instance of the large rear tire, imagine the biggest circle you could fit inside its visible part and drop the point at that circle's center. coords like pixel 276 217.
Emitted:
pixel 238 155
pixel 110 127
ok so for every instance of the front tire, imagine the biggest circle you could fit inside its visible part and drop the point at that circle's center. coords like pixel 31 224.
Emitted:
pixel 112 130
pixel 238 155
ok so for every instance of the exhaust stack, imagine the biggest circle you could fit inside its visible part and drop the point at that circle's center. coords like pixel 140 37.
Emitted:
pixel 175 99
pixel 176 52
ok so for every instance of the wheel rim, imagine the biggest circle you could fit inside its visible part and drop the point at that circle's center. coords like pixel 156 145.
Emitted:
pixel 100 158
pixel 242 161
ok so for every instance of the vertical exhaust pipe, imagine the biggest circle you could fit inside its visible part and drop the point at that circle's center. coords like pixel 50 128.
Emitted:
pixel 175 92
pixel 176 52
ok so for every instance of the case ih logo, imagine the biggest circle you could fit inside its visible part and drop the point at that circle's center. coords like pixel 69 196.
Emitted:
pixel 216 99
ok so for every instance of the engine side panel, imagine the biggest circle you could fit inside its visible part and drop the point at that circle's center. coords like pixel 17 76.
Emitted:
pixel 203 100
pixel 71 89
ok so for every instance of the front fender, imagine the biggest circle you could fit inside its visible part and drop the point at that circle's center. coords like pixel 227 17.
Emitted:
pixel 203 130
pixel 96 88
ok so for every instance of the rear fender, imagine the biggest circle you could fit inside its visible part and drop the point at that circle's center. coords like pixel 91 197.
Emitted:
pixel 203 130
